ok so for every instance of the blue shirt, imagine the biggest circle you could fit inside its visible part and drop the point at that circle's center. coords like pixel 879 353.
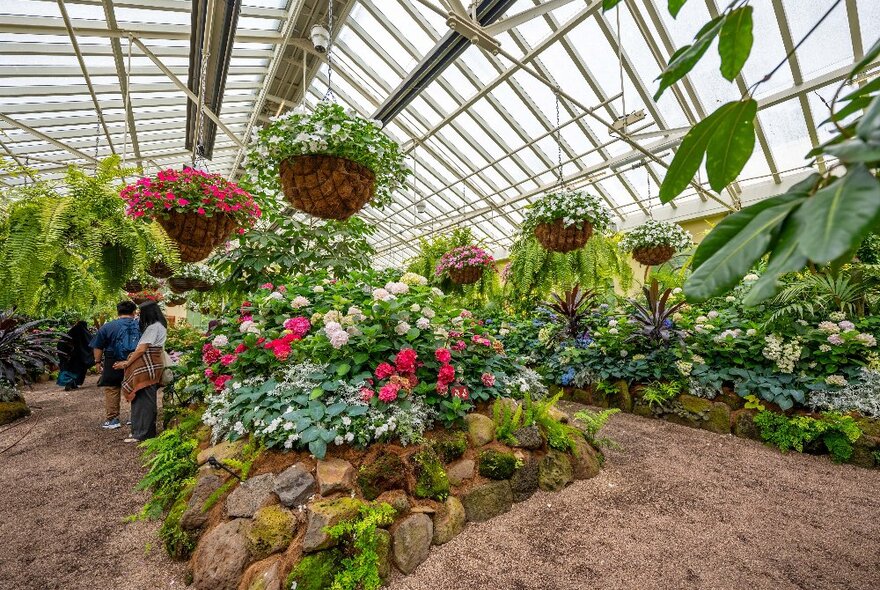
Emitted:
pixel 110 333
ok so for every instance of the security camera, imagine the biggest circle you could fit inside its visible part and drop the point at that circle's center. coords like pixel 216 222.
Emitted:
pixel 421 207
pixel 320 38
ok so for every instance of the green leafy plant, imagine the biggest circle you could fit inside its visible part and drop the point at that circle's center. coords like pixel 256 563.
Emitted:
pixel 170 459
pixel 658 393
pixel 359 570
pixel 507 419
pixel 835 431
pixel 593 422
pixel 431 479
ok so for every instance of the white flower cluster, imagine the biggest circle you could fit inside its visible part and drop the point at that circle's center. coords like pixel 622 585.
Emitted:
pixel 526 381
pixel 784 354
pixel 411 278
pixel 838 380
pixel 862 395
pixel 198 271
pixel 572 206
pixel 657 233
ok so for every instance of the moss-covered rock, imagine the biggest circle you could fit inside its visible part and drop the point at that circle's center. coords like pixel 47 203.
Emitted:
pixel 586 462
pixel 487 501
pixel 718 419
pixel 383 551
pixel 642 409
pixel 271 531
pixel 497 465
pixel 387 472
pixel 326 513
pixel 555 471
pixel 12 411
pixel 869 426
pixel 744 424
pixel 431 479
pixel 694 404
pixel 450 446
pixel 524 481
pixel 448 521
pixel 316 571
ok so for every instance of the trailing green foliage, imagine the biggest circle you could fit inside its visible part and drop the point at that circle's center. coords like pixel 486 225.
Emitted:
pixel 508 418
pixel 178 543
pixel 593 422
pixel 315 571
pixel 835 431
pixel 534 272
pixel 431 251
pixel 360 569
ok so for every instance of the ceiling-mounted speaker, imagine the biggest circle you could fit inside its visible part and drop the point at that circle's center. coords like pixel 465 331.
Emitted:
pixel 213 33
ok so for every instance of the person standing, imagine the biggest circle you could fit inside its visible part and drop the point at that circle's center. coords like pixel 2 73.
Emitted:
pixel 143 371
pixel 76 357
pixel 113 343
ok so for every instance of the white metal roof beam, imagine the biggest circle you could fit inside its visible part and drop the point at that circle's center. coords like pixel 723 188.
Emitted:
pixel 110 15
pixel 46 138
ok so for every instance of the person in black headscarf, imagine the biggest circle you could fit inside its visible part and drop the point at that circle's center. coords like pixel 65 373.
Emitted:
pixel 75 356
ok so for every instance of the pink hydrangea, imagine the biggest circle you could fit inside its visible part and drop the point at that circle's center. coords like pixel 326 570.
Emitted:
pixel 388 392
pixel 299 325
pixel 488 379
pixel 835 339
pixel 227 359
pixel 367 394
pixel 384 371
pixel 460 345
pixel 443 355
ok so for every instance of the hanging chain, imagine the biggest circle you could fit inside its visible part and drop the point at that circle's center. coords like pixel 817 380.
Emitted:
pixel 650 206
pixel 329 94
pixel 198 154
pixel 558 134
pixel 127 106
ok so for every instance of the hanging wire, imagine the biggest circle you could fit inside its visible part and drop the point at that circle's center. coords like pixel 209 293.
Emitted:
pixel 329 95
pixel 650 205
pixel 620 65
pixel 127 99
pixel 558 134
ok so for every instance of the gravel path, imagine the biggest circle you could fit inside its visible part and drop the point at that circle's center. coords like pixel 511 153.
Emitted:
pixel 674 508
pixel 65 490
pixel 678 508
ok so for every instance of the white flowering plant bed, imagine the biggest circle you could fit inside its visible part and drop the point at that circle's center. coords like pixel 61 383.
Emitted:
pixel 657 233
pixel 327 130
pixel 574 207
pixel 372 358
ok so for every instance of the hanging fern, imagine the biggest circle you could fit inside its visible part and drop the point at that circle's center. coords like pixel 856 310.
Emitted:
pixel 535 272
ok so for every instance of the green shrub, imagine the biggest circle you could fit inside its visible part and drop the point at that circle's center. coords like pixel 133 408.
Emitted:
pixel 659 393
pixel 316 571
pixel 431 479
pixel 497 465
pixel 507 421
pixel 594 422
pixel 836 431
pixel 178 543
pixel 170 459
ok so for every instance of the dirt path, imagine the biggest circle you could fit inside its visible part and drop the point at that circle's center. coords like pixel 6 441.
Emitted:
pixel 65 491
pixel 677 508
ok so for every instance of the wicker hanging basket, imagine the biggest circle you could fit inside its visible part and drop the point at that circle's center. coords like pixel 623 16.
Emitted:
pixel 653 255
pixel 172 301
pixel 133 286
pixel 141 300
pixel 557 237
pixel 467 275
pixel 160 270
pixel 197 235
pixel 202 286
pixel 328 187
pixel 181 285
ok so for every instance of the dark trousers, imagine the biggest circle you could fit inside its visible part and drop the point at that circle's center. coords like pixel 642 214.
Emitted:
pixel 143 413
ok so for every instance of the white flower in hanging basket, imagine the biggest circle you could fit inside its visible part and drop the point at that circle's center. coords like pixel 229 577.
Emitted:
pixel 654 233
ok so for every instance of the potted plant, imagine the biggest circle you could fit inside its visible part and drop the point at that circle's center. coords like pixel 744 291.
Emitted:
pixel 655 242
pixel 563 221
pixel 198 210
pixel 328 163
pixel 160 269
pixel 465 264
pixel 193 277
pixel 145 295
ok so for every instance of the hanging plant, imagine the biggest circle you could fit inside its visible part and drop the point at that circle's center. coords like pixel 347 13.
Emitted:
pixel 145 295
pixel 563 221
pixel 465 264
pixel 160 269
pixel 655 242
pixel 193 277
pixel 198 210
pixel 328 163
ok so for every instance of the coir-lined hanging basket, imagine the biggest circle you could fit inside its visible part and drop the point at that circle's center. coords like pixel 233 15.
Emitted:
pixel 197 235
pixel 202 286
pixel 653 255
pixel 557 237
pixel 133 286
pixel 181 285
pixel 173 301
pixel 325 186
pixel 467 275
pixel 159 269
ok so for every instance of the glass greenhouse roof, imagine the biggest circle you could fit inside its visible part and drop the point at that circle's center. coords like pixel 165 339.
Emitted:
pixel 481 137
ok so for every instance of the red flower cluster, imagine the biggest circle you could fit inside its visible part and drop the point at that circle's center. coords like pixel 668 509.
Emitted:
pixel 401 375
pixel 446 374
pixel 210 355
pixel 189 191
pixel 280 347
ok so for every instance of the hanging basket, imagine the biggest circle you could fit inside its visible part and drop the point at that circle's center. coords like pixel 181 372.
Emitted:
pixel 160 270
pixel 202 286
pixel 133 286
pixel 173 301
pixel 140 300
pixel 653 255
pixel 557 237
pixel 181 285
pixel 197 235
pixel 467 275
pixel 328 187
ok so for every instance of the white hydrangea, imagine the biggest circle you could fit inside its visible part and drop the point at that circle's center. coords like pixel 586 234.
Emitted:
pixel 220 341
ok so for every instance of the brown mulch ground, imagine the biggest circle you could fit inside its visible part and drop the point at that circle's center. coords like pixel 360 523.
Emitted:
pixel 65 490
pixel 678 508
pixel 674 508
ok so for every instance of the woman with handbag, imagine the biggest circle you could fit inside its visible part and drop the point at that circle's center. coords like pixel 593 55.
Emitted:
pixel 143 372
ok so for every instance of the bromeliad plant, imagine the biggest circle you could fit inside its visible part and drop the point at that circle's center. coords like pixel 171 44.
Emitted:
pixel 327 130
pixel 653 318
pixel 572 308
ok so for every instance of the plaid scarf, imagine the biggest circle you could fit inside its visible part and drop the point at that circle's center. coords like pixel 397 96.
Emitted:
pixel 143 372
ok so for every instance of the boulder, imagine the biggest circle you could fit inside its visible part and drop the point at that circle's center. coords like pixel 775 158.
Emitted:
pixel 450 446
pixel 397 499
pixel 622 398
pixel 335 475
pixel 412 542
pixel 586 461
pixel 744 425
pixel 295 485
pixel 497 465
pixel 555 471
pixel 271 531
pixel 481 429
pixel 431 479
pixel 460 471
pixel 267 577
pixel 718 419
pixel 686 420
pixel 195 517
pixel 524 481
pixel 448 521
pixel 326 513
pixel 13 410
pixel 558 415
pixel 694 404
pixel 383 551
pixel 221 556
pixel 387 472
pixel 487 501
pixel 641 409
pixel 528 437
pixel 250 496
pixel 222 452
